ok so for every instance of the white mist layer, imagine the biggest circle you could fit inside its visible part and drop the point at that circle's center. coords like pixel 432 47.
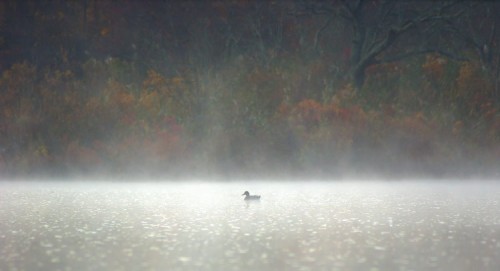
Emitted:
pixel 208 226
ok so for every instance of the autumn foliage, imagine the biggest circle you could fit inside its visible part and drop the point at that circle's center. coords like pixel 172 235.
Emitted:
pixel 246 89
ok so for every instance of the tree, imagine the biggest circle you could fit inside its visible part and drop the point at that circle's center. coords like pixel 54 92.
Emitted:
pixel 388 31
pixel 478 30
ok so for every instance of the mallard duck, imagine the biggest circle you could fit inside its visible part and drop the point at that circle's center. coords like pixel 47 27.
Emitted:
pixel 250 197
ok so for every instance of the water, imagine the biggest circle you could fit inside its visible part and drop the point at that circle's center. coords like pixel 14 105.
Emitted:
pixel 295 226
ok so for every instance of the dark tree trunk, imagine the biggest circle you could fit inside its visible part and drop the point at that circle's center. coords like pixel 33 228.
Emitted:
pixel 358 76
pixel 376 29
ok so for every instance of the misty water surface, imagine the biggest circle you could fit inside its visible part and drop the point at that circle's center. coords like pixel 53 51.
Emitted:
pixel 208 226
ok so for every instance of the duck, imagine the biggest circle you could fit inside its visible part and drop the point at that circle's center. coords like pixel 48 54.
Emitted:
pixel 250 197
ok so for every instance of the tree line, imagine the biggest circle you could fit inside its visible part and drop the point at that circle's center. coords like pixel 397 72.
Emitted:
pixel 249 87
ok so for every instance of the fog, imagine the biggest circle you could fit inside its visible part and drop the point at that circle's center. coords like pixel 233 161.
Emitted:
pixel 130 129
pixel 308 225
pixel 249 89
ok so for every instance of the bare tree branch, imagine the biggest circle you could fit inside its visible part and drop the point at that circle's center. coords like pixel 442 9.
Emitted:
pixel 378 26
pixel 320 30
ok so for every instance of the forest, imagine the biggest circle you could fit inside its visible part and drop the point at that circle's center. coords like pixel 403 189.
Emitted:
pixel 240 88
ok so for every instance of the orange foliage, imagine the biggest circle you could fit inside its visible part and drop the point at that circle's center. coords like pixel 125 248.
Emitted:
pixel 124 100
pixel 94 121
pixel 283 110
pixel 466 78
pixel 309 111
pixel 115 121
pixel 475 91
pixel 416 125
pixel 434 66
pixel 150 103
pixel 156 82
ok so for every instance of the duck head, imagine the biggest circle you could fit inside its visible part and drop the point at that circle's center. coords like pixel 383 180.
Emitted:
pixel 246 194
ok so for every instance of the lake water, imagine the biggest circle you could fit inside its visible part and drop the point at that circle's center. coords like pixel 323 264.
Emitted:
pixel 208 226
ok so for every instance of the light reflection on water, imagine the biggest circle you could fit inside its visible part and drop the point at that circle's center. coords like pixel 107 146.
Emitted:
pixel 208 226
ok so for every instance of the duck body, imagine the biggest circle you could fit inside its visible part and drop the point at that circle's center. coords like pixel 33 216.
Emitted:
pixel 250 197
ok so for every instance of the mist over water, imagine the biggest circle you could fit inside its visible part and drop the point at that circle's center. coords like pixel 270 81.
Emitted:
pixel 231 92
pixel 208 226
